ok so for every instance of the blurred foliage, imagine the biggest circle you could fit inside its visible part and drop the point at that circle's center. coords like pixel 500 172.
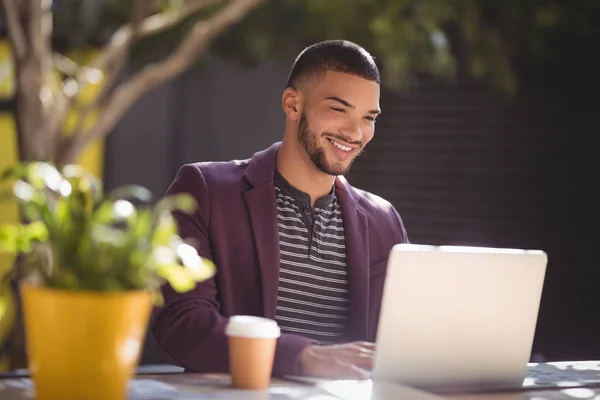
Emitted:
pixel 441 37
pixel 76 238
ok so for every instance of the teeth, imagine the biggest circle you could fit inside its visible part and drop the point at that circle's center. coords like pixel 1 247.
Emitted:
pixel 340 146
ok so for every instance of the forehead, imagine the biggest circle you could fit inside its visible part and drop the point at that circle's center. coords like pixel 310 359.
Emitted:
pixel 356 90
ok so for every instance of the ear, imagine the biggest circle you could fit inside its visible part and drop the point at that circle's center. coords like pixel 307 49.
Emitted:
pixel 292 103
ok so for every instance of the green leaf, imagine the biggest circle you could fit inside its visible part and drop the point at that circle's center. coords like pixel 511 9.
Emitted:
pixel 141 226
pixel 36 231
pixel 42 175
pixel 202 271
pixel 18 171
pixel 62 212
pixel 157 298
pixel 182 277
pixel 131 192
pixel 177 202
pixel 83 181
pixel 199 268
pixel 164 232
pixel 113 212
pixel 178 277
pixel 104 213
pixel 9 238
pixel 104 234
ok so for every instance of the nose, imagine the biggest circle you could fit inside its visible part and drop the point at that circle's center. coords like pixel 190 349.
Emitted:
pixel 352 131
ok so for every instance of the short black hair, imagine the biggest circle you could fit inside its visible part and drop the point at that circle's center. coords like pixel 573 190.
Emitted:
pixel 336 56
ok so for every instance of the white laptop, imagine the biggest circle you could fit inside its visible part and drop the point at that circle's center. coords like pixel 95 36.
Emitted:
pixel 458 318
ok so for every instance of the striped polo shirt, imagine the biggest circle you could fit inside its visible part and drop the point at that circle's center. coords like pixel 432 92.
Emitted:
pixel 312 298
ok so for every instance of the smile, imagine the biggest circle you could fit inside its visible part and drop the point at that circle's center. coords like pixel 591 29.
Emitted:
pixel 339 145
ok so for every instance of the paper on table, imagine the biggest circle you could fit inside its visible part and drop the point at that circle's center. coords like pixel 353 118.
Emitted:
pixel 139 389
pixel 141 370
pixel 562 374
pixel 271 394
pixel 151 389
pixel 369 390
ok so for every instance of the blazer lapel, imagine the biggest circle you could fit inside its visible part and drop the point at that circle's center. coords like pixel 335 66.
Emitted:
pixel 262 208
pixel 357 260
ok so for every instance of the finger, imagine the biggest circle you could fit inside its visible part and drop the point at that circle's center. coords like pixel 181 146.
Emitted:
pixel 357 357
pixel 368 346
pixel 355 349
pixel 345 370
pixel 352 352
pixel 365 361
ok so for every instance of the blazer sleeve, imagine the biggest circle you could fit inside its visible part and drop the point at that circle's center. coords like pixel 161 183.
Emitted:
pixel 400 224
pixel 188 328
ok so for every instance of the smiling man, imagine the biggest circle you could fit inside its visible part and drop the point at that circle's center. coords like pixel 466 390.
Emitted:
pixel 291 238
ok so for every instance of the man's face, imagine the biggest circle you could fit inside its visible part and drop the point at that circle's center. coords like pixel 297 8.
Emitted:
pixel 338 120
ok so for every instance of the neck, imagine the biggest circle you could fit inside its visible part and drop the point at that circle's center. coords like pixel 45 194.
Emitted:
pixel 297 168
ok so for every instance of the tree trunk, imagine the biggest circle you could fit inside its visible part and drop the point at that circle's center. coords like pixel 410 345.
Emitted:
pixel 30 112
pixel 32 73
pixel 31 22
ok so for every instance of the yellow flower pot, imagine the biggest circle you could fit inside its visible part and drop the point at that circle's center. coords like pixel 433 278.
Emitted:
pixel 83 345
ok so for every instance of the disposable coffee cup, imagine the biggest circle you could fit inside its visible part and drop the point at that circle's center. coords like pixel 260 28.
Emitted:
pixel 252 342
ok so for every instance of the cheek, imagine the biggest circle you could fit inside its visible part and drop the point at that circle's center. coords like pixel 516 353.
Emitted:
pixel 368 132
pixel 320 122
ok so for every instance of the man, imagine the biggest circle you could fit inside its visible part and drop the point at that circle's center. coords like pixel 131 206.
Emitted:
pixel 291 239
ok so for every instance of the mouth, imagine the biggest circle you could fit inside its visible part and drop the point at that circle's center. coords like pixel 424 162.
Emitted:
pixel 341 146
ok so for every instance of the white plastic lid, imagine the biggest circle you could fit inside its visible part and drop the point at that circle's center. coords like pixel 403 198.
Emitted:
pixel 252 327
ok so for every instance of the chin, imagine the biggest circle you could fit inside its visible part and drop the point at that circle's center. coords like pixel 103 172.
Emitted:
pixel 337 169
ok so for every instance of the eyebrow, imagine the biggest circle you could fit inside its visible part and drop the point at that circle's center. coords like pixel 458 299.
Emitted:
pixel 345 103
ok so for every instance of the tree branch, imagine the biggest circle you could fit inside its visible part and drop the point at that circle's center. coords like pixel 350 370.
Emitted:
pixel 139 10
pixel 150 26
pixel 127 93
pixel 112 57
pixel 35 30
pixel 40 31
pixel 16 32
pixel 99 99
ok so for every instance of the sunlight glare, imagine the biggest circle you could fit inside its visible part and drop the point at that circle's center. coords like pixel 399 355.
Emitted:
pixel 189 256
pixel 580 393
pixel 123 209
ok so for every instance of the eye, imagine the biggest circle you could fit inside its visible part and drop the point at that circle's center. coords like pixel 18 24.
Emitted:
pixel 337 109
pixel 371 119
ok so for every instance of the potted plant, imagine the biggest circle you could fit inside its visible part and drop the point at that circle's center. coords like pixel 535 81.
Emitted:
pixel 91 266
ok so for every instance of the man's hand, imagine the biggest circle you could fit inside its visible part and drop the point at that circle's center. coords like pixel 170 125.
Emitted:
pixel 342 361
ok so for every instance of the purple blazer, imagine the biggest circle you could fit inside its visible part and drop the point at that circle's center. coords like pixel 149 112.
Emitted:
pixel 236 227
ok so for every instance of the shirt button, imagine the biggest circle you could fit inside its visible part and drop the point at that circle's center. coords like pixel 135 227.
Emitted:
pixel 307 210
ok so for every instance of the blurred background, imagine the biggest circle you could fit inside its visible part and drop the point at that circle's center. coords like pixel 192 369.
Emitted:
pixel 490 111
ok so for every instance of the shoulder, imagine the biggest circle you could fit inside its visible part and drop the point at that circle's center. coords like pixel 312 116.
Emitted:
pixel 214 172
pixel 209 175
pixel 381 214
pixel 372 205
pixel 232 175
